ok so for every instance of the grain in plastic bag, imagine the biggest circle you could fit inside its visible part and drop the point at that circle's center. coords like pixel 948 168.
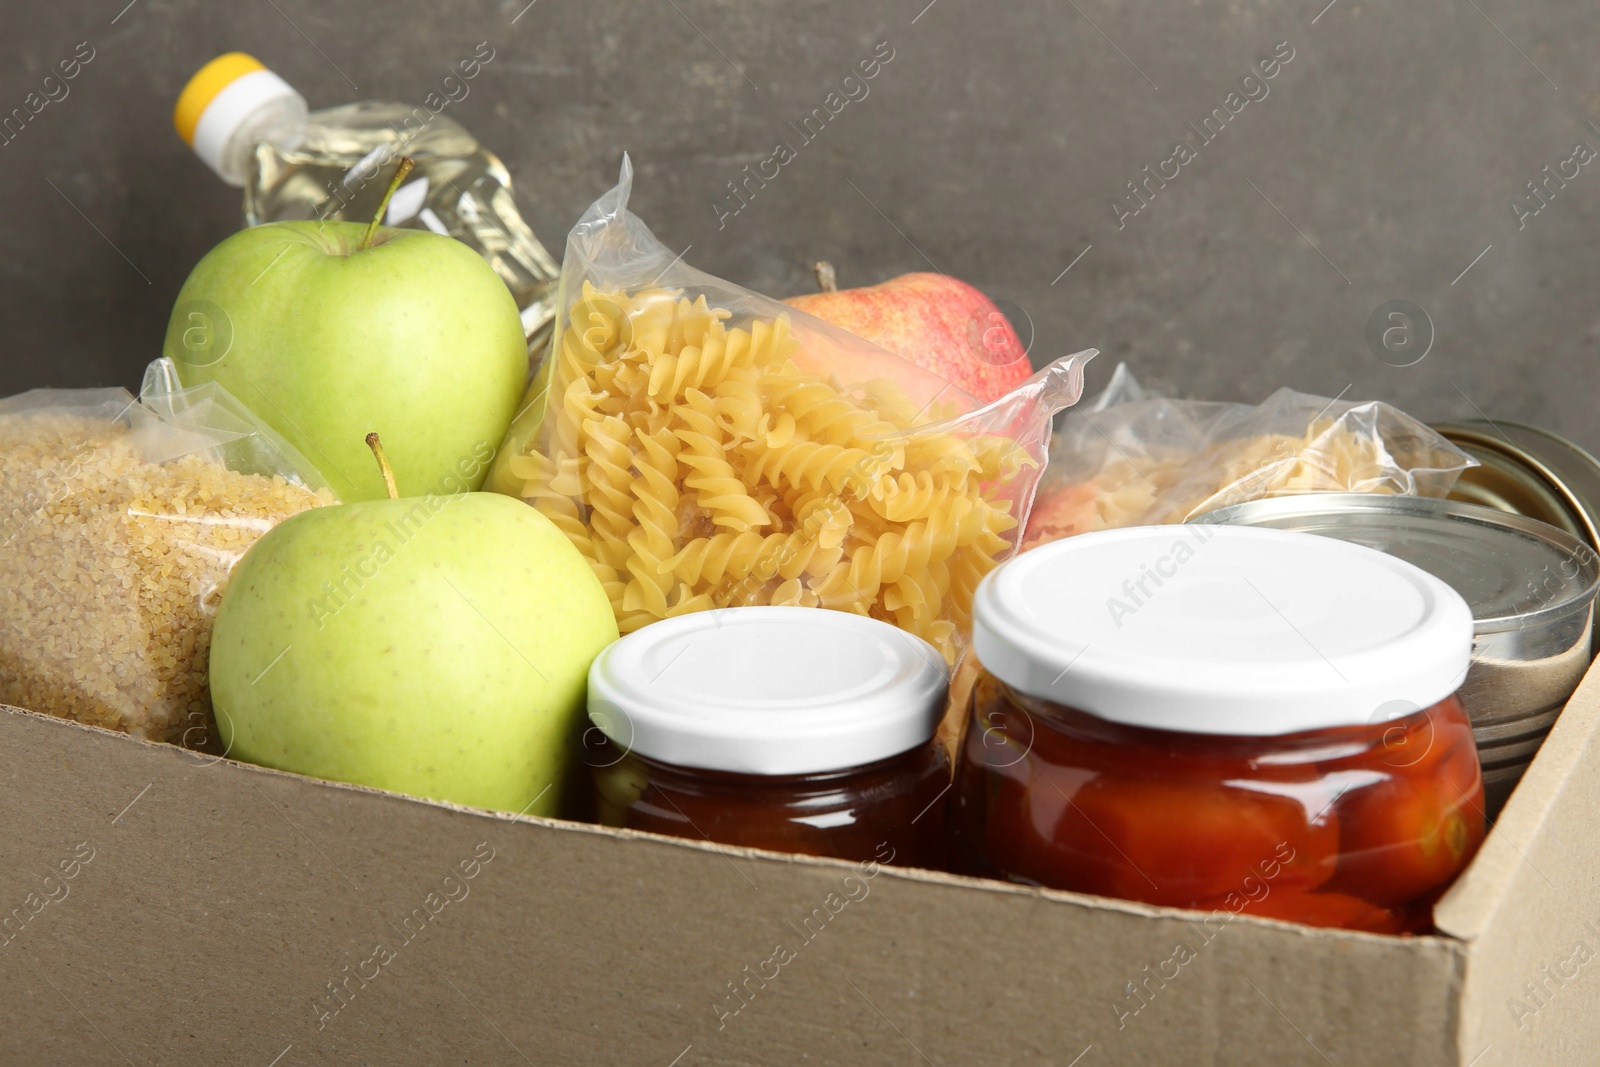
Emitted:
pixel 120 519
pixel 1133 459
pixel 705 446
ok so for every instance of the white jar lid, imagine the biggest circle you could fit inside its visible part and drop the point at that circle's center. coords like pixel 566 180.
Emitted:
pixel 1222 630
pixel 769 690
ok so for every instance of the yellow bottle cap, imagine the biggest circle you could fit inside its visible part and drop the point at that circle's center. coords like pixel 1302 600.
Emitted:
pixel 203 88
pixel 231 103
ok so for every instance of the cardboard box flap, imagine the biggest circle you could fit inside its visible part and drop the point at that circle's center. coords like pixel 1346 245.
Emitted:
pixel 234 914
pixel 1529 850
pixel 1528 908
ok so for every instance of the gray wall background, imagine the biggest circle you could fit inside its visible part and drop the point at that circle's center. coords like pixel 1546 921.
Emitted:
pixel 1379 166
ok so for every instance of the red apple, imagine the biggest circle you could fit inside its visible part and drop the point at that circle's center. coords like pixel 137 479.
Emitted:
pixel 937 322
pixel 1061 509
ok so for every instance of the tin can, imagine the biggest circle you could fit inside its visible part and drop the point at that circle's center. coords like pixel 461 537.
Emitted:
pixel 1528 471
pixel 1531 587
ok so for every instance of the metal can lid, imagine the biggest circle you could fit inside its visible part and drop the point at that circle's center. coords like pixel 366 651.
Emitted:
pixel 1529 471
pixel 1513 571
pixel 769 690
pixel 1222 630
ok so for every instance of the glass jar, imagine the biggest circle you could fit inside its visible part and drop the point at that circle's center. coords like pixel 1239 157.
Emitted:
pixel 1226 719
pixel 791 729
pixel 884 810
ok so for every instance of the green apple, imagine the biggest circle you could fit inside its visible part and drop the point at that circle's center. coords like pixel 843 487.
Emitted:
pixel 325 337
pixel 436 646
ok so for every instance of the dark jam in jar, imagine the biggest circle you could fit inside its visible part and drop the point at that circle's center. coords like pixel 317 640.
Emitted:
pixel 1224 719
pixel 1356 826
pixel 886 810
pixel 785 728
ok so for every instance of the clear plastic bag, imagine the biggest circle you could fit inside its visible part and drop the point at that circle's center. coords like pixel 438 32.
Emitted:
pixel 120 519
pixel 1131 459
pixel 705 446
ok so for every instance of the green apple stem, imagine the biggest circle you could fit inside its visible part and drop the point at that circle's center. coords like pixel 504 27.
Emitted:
pixel 383 460
pixel 827 278
pixel 406 163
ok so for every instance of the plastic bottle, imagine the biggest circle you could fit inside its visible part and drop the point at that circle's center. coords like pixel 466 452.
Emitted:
pixel 255 131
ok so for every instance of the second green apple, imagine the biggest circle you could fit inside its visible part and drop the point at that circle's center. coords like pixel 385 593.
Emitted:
pixel 435 646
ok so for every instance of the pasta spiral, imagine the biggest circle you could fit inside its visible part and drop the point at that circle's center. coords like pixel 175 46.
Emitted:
pixel 694 464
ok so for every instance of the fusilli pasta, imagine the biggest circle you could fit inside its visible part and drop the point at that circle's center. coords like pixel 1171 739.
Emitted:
pixel 696 465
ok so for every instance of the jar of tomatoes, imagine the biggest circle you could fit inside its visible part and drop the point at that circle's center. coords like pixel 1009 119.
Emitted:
pixel 785 728
pixel 1220 718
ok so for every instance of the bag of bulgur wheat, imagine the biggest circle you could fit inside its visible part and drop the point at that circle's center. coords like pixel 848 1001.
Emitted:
pixel 120 519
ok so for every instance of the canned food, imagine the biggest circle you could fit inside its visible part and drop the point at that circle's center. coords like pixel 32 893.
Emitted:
pixel 1528 471
pixel 1530 585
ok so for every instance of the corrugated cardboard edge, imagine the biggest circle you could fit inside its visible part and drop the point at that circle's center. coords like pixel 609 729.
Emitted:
pixel 917 874
pixel 1528 909
pixel 1507 982
pixel 214 863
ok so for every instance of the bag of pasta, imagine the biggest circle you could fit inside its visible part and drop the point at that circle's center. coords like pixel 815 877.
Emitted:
pixel 1131 459
pixel 120 519
pixel 705 446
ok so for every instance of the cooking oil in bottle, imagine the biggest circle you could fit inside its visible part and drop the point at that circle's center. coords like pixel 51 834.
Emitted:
pixel 255 131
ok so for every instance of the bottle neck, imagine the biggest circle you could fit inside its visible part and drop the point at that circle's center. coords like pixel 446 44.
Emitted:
pixel 229 141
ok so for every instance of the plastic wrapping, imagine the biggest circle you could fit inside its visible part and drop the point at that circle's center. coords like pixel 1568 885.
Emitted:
pixel 1130 459
pixel 120 519
pixel 705 446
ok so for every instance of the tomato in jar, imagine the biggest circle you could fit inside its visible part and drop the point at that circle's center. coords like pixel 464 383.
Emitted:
pixel 1409 833
pixel 1332 826
pixel 1272 730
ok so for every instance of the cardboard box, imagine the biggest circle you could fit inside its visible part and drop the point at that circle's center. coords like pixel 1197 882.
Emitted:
pixel 163 907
